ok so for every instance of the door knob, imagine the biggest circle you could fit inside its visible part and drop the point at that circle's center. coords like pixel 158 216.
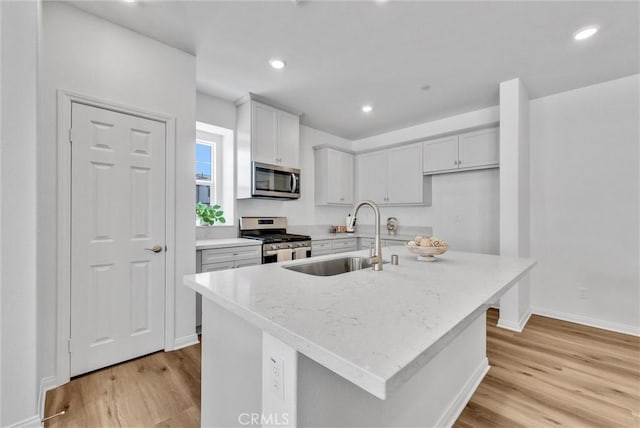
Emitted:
pixel 155 249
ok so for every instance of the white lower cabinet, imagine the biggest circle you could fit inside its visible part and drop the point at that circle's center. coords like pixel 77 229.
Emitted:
pixel 221 259
pixel 333 246
pixel 320 248
pixel 366 243
pixel 344 245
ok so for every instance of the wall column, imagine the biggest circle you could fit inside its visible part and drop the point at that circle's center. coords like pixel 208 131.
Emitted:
pixel 515 305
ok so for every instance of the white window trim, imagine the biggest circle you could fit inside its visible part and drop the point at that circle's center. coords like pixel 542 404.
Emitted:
pixel 214 183
pixel 224 170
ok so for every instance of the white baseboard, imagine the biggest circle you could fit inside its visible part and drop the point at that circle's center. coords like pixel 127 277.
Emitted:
pixel 633 330
pixel 460 401
pixel 46 384
pixel 30 422
pixel 517 327
pixel 183 342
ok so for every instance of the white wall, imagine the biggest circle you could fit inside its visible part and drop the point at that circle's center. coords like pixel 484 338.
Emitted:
pixel 474 119
pixel 19 23
pixel 584 204
pixel 90 56
pixel 464 211
pixel 215 111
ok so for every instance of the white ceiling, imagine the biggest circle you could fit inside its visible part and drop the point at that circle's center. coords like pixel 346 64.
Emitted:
pixel 341 55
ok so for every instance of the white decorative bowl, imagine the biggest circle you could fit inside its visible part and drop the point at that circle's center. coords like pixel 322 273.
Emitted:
pixel 427 254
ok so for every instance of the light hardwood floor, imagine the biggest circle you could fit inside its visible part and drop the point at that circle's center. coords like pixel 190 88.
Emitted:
pixel 551 375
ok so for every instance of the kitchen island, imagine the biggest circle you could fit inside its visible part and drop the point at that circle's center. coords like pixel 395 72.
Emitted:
pixel 405 346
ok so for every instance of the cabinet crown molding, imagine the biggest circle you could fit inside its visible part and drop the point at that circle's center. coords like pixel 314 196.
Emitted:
pixel 255 97
pixel 333 147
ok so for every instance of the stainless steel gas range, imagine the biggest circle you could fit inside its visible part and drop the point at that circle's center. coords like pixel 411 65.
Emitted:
pixel 277 244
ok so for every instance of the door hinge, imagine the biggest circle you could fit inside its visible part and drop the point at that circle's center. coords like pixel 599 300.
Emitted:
pixel 69 345
pixel 70 133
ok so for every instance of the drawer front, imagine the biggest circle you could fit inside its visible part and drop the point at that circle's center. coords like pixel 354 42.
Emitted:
pixel 340 245
pixel 366 243
pixel 219 255
pixel 212 267
pixel 320 246
pixel 392 242
pixel 248 262
pixel 248 253
pixel 322 252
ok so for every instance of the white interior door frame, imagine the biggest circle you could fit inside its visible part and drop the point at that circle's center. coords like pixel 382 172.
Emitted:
pixel 63 323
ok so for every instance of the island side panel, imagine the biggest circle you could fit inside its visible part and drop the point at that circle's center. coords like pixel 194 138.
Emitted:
pixel 435 396
pixel 231 368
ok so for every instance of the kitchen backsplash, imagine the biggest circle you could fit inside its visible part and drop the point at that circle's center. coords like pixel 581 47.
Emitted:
pixel 223 232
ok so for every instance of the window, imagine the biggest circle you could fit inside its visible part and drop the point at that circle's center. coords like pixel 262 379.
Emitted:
pixel 206 172
pixel 214 168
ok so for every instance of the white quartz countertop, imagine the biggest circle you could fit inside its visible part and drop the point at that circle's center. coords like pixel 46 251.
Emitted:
pixel 207 244
pixel 375 329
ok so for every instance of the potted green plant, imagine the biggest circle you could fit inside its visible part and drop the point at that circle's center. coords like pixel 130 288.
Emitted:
pixel 209 214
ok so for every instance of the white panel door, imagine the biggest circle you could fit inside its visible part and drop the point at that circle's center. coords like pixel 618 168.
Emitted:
pixel 288 140
pixel 479 148
pixel 117 213
pixel 405 178
pixel 372 176
pixel 440 154
pixel 263 139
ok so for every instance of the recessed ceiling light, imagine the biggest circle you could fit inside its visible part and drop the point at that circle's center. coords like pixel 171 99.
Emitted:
pixel 276 63
pixel 585 33
pixel 367 108
pixel 129 1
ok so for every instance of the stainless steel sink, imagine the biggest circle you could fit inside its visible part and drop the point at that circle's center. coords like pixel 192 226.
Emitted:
pixel 332 266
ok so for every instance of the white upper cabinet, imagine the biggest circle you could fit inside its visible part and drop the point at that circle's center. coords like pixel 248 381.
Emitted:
pixel 393 176
pixel 334 172
pixel 271 135
pixel 288 139
pixel 479 148
pixel 264 133
pixel 440 154
pixel 404 175
pixel 471 150
pixel 372 176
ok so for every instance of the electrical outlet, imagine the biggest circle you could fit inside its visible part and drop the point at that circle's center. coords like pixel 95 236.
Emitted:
pixel 277 376
pixel 583 293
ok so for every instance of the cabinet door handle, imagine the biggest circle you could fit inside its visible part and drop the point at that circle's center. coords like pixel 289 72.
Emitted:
pixel 459 162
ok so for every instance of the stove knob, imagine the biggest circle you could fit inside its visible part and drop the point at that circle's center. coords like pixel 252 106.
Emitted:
pixel 274 246
pixel 290 245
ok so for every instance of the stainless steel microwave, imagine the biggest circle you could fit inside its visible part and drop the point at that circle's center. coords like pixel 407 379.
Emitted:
pixel 274 181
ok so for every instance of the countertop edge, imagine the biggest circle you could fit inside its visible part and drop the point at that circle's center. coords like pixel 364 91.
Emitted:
pixel 208 244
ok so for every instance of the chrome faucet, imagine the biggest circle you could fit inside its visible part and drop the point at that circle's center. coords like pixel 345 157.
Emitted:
pixel 376 259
